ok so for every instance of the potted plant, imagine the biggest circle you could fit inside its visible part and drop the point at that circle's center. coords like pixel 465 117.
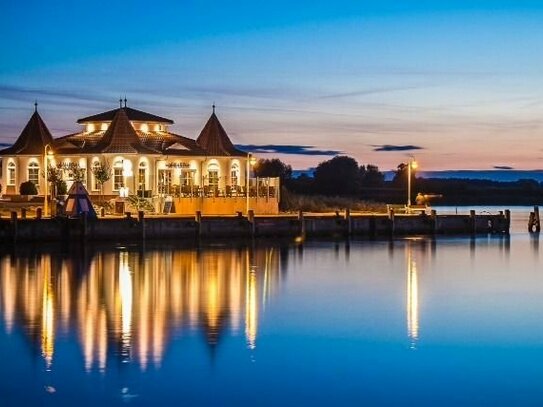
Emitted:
pixel 28 189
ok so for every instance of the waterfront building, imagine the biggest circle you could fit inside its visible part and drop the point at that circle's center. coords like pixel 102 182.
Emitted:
pixel 145 158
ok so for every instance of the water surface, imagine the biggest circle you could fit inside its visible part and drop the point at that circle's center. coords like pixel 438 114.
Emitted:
pixel 415 321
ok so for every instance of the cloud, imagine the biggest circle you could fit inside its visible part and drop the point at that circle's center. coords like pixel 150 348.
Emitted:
pixel 392 147
pixel 286 149
pixel 503 167
pixel 370 91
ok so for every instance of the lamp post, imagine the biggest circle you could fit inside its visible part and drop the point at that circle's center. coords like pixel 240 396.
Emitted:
pixel 47 151
pixel 411 165
pixel 251 161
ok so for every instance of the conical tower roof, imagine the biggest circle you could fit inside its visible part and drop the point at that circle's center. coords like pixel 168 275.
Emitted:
pixel 120 137
pixel 215 141
pixel 33 139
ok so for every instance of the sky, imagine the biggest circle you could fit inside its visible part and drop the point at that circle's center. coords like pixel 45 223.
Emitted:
pixel 455 84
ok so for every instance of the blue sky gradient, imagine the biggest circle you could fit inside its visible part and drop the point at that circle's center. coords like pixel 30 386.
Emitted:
pixel 461 81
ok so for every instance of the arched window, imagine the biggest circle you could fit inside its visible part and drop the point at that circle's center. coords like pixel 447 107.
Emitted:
pixel 142 177
pixel 234 174
pixel 11 173
pixel 34 173
pixel 213 175
pixel 118 178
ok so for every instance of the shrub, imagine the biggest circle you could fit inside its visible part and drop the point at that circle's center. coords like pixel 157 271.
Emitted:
pixel 62 188
pixel 28 188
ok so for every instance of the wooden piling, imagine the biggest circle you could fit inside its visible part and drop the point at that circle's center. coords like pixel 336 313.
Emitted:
pixel 473 221
pixel 252 224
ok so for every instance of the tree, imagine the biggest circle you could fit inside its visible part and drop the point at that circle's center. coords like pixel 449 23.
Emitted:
pixel 400 175
pixel 76 173
pixel 28 188
pixel 338 176
pixel 273 168
pixel 371 177
pixel 55 177
pixel 102 174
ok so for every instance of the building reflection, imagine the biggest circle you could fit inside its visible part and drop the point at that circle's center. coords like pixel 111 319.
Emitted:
pixel 125 306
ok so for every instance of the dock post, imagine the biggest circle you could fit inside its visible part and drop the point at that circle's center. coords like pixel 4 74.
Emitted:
pixel 534 224
pixel 472 221
pixel 198 219
pixel 348 221
pixel 391 219
pixel 14 225
pixel 433 216
pixel 508 220
pixel 23 213
pixel 301 221
pixel 38 213
pixel 141 220
pixel 251 219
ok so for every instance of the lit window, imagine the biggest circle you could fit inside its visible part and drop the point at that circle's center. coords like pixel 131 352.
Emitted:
pixel 118 178
pixel 34 173
pixel 234 174
pixel 213 175
pixel 142 176
pixel 11 173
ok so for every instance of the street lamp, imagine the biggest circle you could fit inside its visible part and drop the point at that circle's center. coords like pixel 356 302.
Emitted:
pixel 47 152
pixel 251 161
pixel 411 165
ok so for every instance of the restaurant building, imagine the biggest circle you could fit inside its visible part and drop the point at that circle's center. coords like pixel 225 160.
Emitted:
pixel 145 158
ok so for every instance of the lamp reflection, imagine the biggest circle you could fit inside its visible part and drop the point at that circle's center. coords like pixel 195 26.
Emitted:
pixel 412 297
pixel 127 305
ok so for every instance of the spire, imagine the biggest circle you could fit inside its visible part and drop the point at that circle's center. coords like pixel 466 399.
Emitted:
pixel 34 137
pixel 125 100
pixel 35 106
pixel 215 141
pixel 120 137
pixel 120 102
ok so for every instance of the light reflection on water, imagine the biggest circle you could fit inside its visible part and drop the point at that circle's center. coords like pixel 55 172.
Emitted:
pixel 167 325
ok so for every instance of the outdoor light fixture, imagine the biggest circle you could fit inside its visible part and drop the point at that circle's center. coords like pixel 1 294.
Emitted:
pixel 411 165
pixel 251 161
pixel 47 152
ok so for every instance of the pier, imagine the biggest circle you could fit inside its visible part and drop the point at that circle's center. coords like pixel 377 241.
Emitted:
pixel 139 227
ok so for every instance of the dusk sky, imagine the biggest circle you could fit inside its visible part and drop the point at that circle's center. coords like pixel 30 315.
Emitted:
pixel 457 84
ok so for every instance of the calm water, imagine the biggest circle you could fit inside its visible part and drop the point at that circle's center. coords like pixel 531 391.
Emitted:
pixel 450 321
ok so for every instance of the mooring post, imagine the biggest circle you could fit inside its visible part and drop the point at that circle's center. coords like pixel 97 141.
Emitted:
pixel 537 220
pixel 508 220
pixel 301 222
pixel 251 219
pixel 23 213
pixel 38 213
pixel 391 219
pixel 198 219
pixel 14 225
pixel 433 216
pixel 348 221
pixel 102 212
pixel 141 220
pixel 473 222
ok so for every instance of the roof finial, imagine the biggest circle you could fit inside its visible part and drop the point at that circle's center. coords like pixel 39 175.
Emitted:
pixel 35 105
pixel 120 102
pixel 213 107
pixel 124 100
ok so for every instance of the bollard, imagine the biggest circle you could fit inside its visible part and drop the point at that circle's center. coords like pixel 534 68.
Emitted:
pixel 251 219
pixel 141 220
pixel 14 225
pixel 301 220
pixel 391 219
pixel 198 219
pixel 433 216
pixel 23 213
pixel 508 220
pixel 348 220
pixel 128 215
pixel 38 213
pixel 102 212
pixel 473 223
